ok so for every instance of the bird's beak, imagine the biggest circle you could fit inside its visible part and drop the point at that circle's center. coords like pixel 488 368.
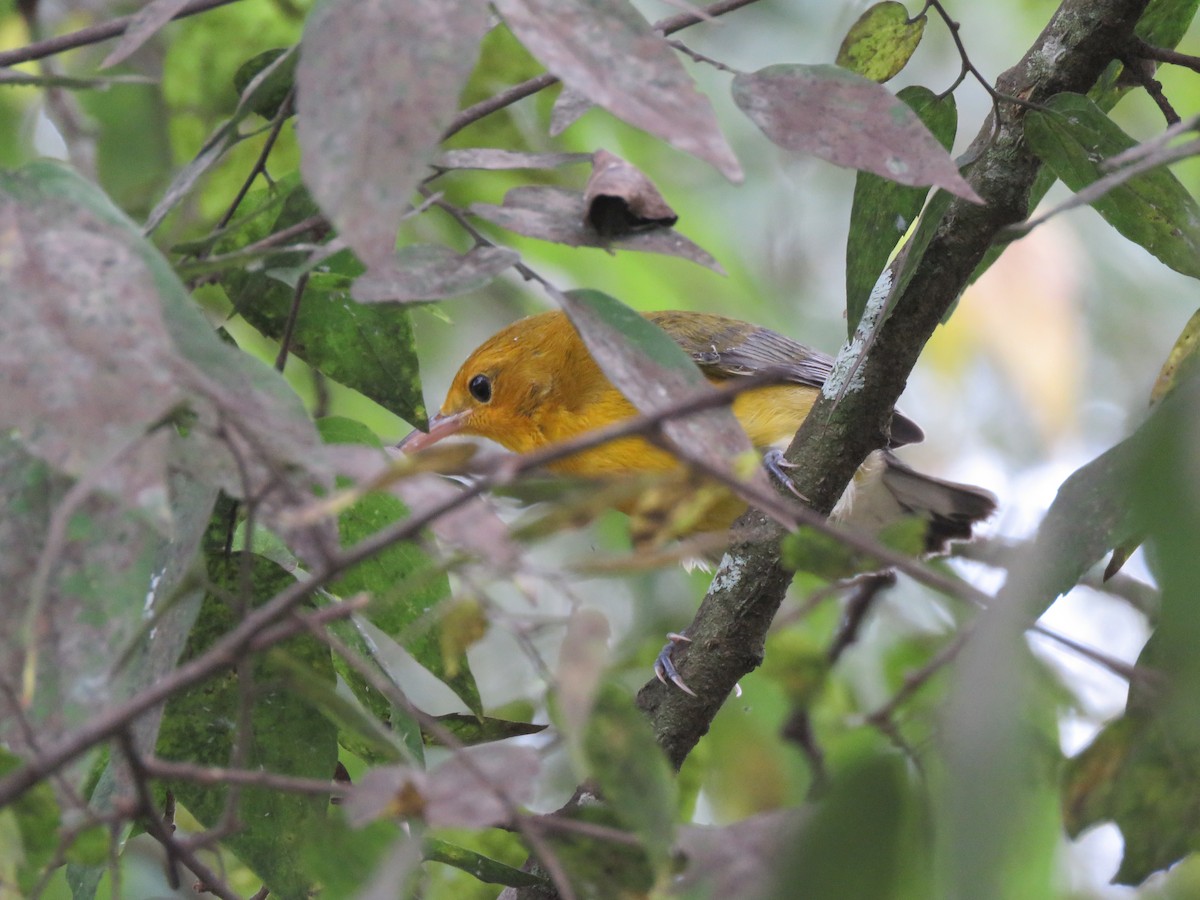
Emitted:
pixel 440 426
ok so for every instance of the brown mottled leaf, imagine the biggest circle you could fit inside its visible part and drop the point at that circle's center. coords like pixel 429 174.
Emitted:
pixel 492 158
pixel 848 120
pixel 431 272
pixel 621 199
pixel 87 366
pixel 556 214
pixel 378 82
pixel 881 42
pixel 569 107
pixel 460 793
pixel 608 52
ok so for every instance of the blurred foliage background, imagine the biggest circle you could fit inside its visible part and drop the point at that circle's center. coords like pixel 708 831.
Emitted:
pixel 1048 361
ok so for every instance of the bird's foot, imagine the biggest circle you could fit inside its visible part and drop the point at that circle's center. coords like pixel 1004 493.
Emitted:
pixel 775 463
pixel 664 666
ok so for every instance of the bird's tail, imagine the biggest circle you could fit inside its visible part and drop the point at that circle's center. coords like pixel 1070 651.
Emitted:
pixel 952 509
pixel 885 490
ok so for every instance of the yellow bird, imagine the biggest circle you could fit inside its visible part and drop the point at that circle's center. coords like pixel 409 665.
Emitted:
pixel 534 383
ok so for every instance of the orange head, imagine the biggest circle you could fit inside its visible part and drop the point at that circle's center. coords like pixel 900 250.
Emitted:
pixel 524 387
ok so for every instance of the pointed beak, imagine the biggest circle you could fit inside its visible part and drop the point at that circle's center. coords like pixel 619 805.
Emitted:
pixel 439 427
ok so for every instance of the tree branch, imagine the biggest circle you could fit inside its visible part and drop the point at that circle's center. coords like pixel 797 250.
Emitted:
pixel 93 34
pixel 730 629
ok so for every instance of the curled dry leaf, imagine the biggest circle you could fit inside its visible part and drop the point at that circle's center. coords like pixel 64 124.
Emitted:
pixel 606 51
pixel 559 215
pixel 473 789
pixel 848 120
pixel 431 272
pixel 621 199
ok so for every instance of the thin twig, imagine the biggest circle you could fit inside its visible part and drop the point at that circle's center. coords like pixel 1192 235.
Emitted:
pixel 1141 48
pixel 968 67
pixel 176 850
pixel 285 342
pixel 221 775
pixel 271 242
pixel 260 164
pixel 93 34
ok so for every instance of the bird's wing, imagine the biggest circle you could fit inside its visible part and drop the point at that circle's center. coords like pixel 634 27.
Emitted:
pixel 760 350
pixel 726 348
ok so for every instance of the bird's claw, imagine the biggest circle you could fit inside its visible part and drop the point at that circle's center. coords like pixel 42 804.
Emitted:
pixel 775 463
pixel 664 667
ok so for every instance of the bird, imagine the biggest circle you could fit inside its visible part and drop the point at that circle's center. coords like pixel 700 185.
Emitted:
pixel 534 383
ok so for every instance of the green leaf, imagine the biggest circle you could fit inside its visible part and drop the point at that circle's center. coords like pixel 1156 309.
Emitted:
pixel 287 736
pixel 633 773
pixel 1154 209
pixel 883 210
pixel 104 558
pixel 29 830
pixel 368 347
pixel 270 97
pixel 1165 22
pixel 344 859
pixel 359 731
pixel 482 867
pixel 843 851
pixel 407 586
pixel 471 730
pixel 881 42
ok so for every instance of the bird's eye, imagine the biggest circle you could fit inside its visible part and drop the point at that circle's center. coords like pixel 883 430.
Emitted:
pixel 481 388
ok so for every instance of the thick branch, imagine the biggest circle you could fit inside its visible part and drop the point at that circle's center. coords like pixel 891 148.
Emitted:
pixel 730 629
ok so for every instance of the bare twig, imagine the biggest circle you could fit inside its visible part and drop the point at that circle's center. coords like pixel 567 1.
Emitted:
pixel 175 849
pixel 93 34
pixel 260 164
pixel 289 326
pixel 968 67
pixel 218 775
pixel 1144 50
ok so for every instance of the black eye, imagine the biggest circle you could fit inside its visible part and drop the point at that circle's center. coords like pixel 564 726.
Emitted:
pixel 481 388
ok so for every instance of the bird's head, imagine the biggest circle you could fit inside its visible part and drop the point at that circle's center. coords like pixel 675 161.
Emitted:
pixel 513 386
